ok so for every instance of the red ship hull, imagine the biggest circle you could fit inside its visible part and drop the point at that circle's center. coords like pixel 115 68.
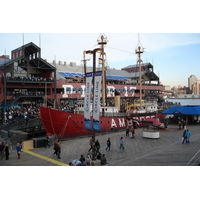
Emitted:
pixel 69 125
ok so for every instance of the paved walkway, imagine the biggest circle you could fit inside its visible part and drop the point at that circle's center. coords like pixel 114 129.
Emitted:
pixel 166 151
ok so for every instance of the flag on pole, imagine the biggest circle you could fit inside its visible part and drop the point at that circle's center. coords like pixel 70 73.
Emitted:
pixel 96 101
pixel 88 86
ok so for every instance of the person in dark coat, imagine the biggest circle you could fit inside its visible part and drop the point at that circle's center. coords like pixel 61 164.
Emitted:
pixel 99 156
pixel 108 145
pixel 103 160
pixel 7 152
pixel 127 131
pixel 55 148
pixel 184 137
pixel 47 141
pixel 2 147
pixel 82 158
pixel 91 144
pixel 26 117
pixel 97 146
pixel 179 124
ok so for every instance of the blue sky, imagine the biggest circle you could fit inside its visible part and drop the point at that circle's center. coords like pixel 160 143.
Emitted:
pixel 169 32
pixel 175 56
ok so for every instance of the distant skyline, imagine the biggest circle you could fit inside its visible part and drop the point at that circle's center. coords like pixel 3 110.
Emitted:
pixel 175 56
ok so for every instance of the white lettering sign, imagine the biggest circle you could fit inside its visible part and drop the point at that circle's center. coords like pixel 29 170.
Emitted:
pixel 65 89
pixel 121 123
pixel 83 92
pixel 113 124
pixel 109 92
pixel 133 88
pixel 126 93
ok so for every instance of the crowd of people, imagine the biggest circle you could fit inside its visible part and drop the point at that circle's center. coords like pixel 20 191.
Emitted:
pixel 95 155
pixel 17 114
pixel 29 78
pixel 95 149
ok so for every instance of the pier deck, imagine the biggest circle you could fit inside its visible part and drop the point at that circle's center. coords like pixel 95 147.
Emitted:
pixel 168 150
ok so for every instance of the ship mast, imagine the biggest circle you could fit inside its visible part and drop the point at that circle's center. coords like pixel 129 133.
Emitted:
pixel 102 42
pixel 139 50
pixel 84 62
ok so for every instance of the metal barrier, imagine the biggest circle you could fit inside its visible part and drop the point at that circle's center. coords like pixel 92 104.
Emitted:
pixel 17 125
pixel 21 123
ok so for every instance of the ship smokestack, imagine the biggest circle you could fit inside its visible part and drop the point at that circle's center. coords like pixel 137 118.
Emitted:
pixel 117 100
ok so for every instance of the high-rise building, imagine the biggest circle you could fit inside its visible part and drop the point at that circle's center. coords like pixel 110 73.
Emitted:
pixel 196 87
pixel 191 80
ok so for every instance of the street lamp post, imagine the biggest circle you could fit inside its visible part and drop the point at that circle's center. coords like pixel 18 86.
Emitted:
pixel 93 52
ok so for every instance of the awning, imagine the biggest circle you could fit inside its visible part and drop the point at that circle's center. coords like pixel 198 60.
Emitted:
pixel 192 110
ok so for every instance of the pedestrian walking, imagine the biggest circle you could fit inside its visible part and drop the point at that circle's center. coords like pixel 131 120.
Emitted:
pixel 18 149
pixel 133 132
pixel 7 152
pixel 127 131
pixel 47 141
pixel 2 147
pixel 91 144
pixel 97 146
pixel 108 145
pixel 57 149
pixel 121 143
pixel 179 124
pixel 188 134
pixel 184 137
pixel 183 124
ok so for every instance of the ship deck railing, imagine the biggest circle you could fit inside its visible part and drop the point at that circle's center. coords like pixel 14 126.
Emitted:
pixel 102 114
pixel 112 114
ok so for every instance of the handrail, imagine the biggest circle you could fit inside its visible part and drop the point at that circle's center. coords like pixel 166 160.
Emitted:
pixel 17 97
pixel 194 158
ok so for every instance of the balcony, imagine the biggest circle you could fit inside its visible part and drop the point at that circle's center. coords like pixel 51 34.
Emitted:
pixel 31 80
